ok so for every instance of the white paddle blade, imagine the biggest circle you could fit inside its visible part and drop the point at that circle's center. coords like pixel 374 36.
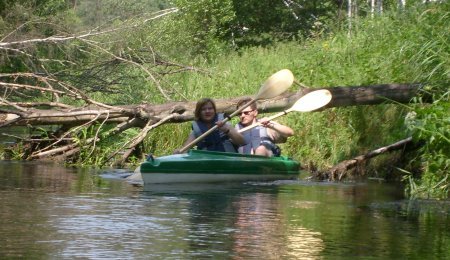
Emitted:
pixel 312 101
pixel 276 84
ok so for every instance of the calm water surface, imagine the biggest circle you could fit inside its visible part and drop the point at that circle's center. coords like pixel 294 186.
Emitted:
pixel 54 212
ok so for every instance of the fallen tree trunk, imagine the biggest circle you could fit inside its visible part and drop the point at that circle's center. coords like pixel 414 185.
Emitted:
pixel 147 116
pixel 183 111
pixel 339 171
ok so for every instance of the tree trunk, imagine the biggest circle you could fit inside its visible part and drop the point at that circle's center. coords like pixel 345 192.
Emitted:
pixel 147 117
pixel 183 111
pixel 339 171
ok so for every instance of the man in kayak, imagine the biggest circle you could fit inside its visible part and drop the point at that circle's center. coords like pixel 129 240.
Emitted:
pixel 262 139
pixel 224 139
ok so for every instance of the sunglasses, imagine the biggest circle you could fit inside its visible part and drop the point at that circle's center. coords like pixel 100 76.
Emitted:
pixel 246 113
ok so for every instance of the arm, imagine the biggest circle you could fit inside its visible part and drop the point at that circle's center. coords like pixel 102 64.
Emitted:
pixel 283 130
pixel 277 131
pixel 235 137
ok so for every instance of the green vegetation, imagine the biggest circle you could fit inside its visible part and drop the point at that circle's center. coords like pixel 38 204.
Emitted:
pixel 235 50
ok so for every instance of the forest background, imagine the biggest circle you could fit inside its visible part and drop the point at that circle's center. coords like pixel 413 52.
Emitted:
pixel 141 51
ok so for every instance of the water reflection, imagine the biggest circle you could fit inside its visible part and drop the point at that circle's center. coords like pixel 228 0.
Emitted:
pixel 263 232
pixel 238 221
pixel 305 244
pixel 50 211
pixel 31 176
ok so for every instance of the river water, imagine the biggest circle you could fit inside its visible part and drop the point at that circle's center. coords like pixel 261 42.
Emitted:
pixel 53 212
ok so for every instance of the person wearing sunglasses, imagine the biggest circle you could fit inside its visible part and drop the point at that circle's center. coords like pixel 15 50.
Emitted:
pixel 224 139
pixel 262 139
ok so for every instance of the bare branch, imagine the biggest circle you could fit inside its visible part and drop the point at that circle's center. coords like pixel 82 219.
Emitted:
pixel 18 86
pixel 96 134
pixel 39 152
pixel 17 29
pixel 18 51
pixel 134 63
pixel 288 3
pixel 36 139
pixel 12 104
pixel 138 139
pixel 339 171
pixel 40 104
pixel 86 98
pixel 55 38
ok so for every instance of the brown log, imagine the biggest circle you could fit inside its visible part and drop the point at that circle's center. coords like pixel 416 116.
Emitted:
pixel 147 116
pixel 183 111
pixel 353 96
pixel 339 171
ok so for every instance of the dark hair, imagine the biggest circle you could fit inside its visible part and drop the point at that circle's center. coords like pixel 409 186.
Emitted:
pixel 245 101
pixel 200 104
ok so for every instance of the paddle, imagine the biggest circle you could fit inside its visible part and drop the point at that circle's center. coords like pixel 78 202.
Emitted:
pixel 309 102
pixel 274 86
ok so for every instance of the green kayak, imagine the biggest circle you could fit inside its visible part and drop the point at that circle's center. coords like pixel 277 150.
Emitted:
pixel 206 166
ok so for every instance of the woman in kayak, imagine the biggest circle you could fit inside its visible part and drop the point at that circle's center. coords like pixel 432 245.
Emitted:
pixel 224 139
pixel 262 139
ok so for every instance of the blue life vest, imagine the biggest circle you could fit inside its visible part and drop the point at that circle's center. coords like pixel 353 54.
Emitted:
pixel 216 141
pixel 254 138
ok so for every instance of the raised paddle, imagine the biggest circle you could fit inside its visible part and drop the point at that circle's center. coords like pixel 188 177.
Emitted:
pixel 309 102
pixel 274 86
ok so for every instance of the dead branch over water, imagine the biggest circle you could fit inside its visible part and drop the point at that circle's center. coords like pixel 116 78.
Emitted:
pixel 342 169
pixel 147 116
pixel 62 99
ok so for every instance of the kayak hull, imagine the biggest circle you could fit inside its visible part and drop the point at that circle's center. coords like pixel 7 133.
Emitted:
pixel 206 166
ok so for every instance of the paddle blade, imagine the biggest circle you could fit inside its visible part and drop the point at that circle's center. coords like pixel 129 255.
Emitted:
pixel 276 84
pixel 312 101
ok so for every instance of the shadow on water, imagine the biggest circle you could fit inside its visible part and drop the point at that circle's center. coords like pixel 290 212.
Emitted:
pixel 52 177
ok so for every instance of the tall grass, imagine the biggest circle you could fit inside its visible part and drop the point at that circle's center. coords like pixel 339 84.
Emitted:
pixel 406 47
pixel 398 47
